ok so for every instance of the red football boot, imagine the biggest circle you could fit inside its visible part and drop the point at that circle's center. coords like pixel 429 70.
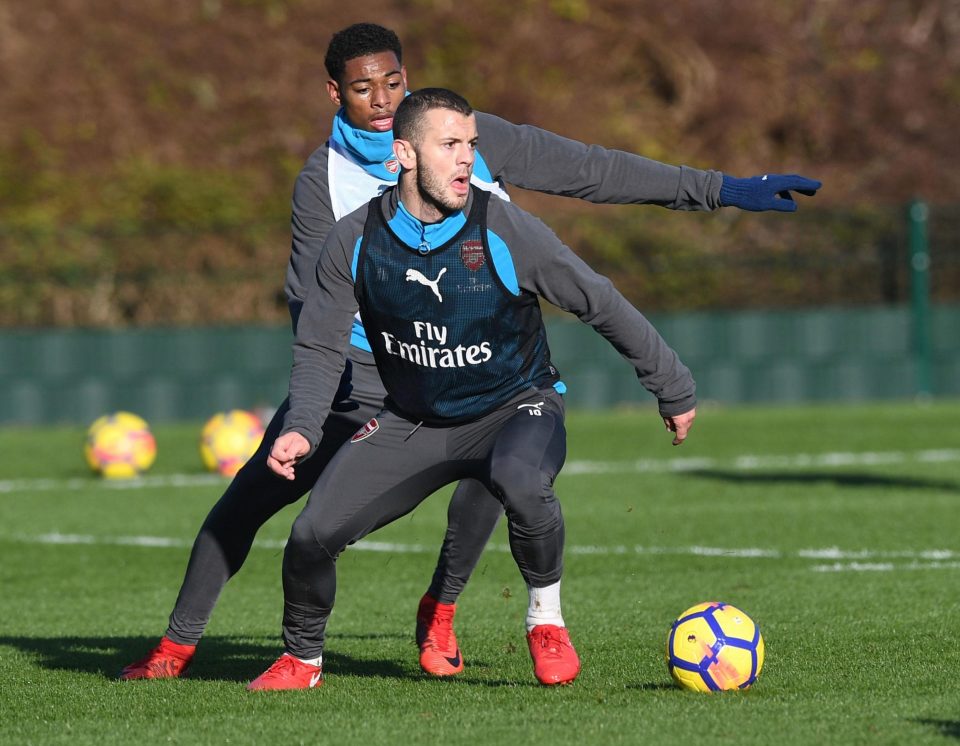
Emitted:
pixel 168 660
pixel 439 653
pixel 554 659
pixel 288 672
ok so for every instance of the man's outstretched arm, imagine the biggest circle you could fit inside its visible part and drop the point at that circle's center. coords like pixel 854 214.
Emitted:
pixel 533 158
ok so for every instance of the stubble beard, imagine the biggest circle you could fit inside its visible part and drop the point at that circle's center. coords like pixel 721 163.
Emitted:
pixel 434 194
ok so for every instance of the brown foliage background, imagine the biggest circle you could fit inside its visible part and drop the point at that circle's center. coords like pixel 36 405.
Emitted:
pixel 147 149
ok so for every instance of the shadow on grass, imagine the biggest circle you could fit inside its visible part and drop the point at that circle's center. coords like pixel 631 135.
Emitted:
pixel 946 728
pixel 841 479
pixel 240 659
pixel 217 659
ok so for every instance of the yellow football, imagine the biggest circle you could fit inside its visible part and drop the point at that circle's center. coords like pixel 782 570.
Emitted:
pixel 229 439
pixel 714 646
pixel 120 446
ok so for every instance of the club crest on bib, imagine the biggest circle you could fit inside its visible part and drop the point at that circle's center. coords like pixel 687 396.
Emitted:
pixel 393 165
pixel 366 431
pixel 471 254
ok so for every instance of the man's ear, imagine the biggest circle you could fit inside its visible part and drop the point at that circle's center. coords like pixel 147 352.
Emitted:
pixel 333 91
pixel 403 150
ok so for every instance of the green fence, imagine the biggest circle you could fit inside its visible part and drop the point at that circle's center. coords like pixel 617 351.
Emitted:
pixel 162 374
pixel 774 356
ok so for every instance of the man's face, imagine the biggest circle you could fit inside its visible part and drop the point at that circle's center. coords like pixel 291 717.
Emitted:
pixel 445 157
pixel 372 88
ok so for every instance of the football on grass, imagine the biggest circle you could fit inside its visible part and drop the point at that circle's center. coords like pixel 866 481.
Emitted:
pixel 120 446
pixel 229 439
pixel 714 646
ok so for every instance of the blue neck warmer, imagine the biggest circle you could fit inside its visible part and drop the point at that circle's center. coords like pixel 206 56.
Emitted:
pixel 425 237
pixel 372 150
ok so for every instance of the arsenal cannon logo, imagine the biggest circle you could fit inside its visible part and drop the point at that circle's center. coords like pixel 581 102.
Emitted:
pixel 471 254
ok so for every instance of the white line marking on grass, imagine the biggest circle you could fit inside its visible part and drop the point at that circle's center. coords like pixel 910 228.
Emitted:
pixel 572 468
pixel 836 553
pixel 639 466
pixel 884 566
pixel 167 542
pixel 753 462
pixel 846 560
pixel 83 483
pixel 162 542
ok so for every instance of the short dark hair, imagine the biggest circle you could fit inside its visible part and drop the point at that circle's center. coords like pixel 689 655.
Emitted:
pixel 359 40
pixel 407 118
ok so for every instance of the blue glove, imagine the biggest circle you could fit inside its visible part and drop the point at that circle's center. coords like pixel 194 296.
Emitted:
pixel 769 192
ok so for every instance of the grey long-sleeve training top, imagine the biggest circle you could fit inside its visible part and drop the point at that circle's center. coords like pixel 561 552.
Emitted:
pixel 529 258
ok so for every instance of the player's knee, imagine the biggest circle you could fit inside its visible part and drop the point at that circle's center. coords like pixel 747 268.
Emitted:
pixel 514 478
pixel 526 491
pixel 309 541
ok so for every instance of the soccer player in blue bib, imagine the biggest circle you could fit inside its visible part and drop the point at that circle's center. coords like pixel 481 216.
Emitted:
pixel 367 83
pixel 447 278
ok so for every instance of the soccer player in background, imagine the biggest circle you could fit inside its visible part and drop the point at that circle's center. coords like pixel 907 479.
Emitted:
pixel 446 277
pixel 367 82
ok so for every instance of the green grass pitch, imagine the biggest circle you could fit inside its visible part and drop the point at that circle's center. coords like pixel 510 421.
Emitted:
pixel 835 527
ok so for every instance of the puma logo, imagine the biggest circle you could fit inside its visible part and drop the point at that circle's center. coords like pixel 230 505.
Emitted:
pixel 415 275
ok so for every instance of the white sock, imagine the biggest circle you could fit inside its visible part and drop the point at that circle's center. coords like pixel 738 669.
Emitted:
pixel 544 606
pixel 318 661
